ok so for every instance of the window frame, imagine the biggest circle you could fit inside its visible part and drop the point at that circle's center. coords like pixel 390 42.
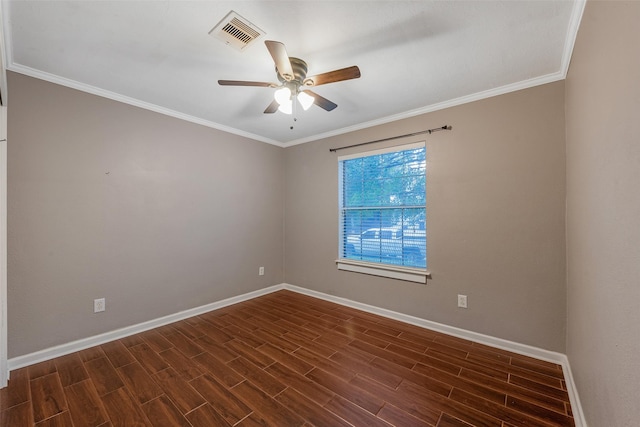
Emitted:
pixel 412 274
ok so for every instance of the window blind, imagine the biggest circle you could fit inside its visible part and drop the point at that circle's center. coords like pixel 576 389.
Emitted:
pixel 383 206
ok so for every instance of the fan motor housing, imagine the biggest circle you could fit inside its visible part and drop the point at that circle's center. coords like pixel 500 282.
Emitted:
pixel 299 70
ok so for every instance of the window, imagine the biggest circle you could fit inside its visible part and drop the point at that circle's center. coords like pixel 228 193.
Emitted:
pixel 382 200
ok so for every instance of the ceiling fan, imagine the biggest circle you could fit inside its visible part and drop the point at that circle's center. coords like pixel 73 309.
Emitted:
pixel 292 74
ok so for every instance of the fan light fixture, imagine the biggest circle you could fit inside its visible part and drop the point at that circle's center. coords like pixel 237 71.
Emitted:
pixel 284 98
pixel 305 100
pixel 292 74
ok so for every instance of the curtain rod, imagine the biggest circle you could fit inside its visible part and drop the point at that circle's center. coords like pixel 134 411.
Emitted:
pixel 429 131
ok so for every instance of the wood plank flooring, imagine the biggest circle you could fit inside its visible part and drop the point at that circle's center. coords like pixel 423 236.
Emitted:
pixel 286 359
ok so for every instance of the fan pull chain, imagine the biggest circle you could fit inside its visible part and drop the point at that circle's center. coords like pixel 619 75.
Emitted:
pixel 294 108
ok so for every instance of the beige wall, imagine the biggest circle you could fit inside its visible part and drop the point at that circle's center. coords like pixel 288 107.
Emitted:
pixel 158 215
pixel 155 214
pixel 603 213
pixel 495 219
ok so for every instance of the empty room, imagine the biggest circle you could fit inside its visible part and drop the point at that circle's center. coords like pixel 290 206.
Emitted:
pixel 319 213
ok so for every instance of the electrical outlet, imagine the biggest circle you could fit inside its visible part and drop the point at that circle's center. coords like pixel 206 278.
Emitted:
pixel 98 305
pixel 261 271
pixel 462 301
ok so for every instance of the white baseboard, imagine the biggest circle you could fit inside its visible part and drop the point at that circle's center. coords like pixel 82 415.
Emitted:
pixel 538 353
pixel 526 350
pixel 72 347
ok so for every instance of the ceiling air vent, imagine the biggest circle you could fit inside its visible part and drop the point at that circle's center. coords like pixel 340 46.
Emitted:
pixel 235 31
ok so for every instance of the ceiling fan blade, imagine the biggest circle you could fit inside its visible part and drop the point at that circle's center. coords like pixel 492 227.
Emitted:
pixel 272 108
pixel 333 76
pixel 321 102
pixel 245 83
pixel 281 58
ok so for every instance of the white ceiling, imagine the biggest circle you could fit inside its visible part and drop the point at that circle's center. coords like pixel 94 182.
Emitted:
pixel 414 56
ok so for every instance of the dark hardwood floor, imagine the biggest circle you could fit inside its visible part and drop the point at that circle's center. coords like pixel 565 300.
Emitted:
pixel 286 359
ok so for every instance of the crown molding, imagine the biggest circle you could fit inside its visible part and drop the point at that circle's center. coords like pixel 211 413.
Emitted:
pixel 570 41
pixel 572 31
pixel 524 84
pixel 52 78
pixel 73 84
pixel 572 34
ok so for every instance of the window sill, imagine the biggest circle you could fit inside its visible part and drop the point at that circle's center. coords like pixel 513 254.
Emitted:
pixel 385 270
